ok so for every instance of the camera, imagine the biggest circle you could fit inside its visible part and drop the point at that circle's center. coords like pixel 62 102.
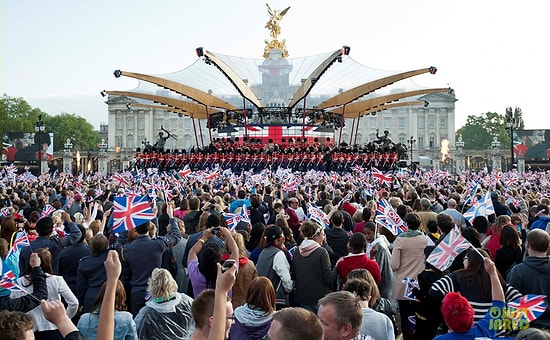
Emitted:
pixel 216 231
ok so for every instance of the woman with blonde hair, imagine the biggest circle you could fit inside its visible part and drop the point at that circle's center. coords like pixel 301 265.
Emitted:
pixel 253 319
pixel 247 271
pixel 202 225
pixel 167 315
pixel 125 327
pixel 57 218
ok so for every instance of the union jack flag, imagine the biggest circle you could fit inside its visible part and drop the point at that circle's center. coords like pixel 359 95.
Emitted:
pixel 446 251
pixel 185 172
pixel 120 180
pixel 510 181
pixel 21 241
pixel 472 189
pixel 210 175
pixel 47 211
pixel 233 220
pixel 346 198
pixel 516 203
pixel 168 195
pixel 4 212
pixel 483 207
pixel 130 212
pixel 529 306
pixel 98 192
pixel 381 178
pixel 410 285
pixel 290 184
pixel 9 281
pixel 357 168
pixel 387 217
pixel 316 214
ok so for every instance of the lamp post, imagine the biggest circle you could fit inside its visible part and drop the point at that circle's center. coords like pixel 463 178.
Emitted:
pixel 460 160
pixel 68 157
pixel 411 141
pixel 102 146
pixel 39 130
pixel 495 154
pixel 511 123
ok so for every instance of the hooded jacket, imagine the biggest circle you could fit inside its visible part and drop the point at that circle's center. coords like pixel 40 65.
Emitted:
pixel 250 323
pixel 312 272
pixel 533 277
pixel 541 223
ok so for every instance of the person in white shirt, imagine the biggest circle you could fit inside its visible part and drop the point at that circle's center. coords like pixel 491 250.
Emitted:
pixel 57 288
pixel 375 324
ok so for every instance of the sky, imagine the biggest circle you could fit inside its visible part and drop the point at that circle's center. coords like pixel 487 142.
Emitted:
pixel 58 55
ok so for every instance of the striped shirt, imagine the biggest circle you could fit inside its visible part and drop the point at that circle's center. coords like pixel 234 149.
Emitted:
pixel 481 306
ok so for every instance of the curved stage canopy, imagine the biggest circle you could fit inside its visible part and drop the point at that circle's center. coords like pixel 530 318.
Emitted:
pixel 315 90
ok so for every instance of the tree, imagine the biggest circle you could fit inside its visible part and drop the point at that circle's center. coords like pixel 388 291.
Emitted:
pixel 77 129
pixel 517 115
pixel 17 115
pixel 479 131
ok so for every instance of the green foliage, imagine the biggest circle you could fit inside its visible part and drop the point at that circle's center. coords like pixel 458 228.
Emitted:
pixel 479 131
pixel 77 129
pixel 17 115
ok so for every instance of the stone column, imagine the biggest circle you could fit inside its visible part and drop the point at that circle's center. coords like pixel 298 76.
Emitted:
pixel 102 159
pixel 102 163
pixel 521 162
pixel 44 166
pixel 68 162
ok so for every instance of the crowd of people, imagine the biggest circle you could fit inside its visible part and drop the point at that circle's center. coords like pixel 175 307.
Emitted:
pixel 241 255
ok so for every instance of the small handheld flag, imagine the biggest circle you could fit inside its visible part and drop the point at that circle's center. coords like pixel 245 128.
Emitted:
pixel 130 212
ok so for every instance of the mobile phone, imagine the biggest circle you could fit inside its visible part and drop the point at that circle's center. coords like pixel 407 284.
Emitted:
pixel 227 264
pixel 216 230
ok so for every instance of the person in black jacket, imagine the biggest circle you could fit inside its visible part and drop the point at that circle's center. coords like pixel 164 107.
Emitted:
pixel 144 254
pixel 500 209
pixel 70 257
pixel 27 302
pixel 257 209
pixel 91 273
pixel 44 228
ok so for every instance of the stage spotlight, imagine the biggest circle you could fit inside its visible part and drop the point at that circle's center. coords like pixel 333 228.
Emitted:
pixel 117 73
pixel 426 103
pixel 200 51
pixel 433 69
pixel 103 93
pixel 345 50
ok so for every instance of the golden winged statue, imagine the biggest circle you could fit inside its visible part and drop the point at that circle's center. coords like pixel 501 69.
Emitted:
pixel 275 17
